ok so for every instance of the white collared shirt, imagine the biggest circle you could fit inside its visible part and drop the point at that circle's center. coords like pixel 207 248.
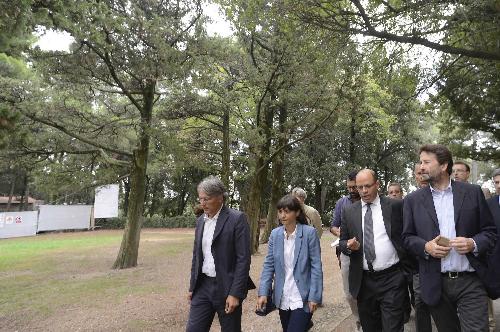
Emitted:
pixel 445 212
pixel 208 266
pixel 291 298
pixel 385 253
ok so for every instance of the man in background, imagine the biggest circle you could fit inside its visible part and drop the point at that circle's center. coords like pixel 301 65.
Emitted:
pixel 421 183
pixel 494 205
pixel 460 171
pixel 395 191
pixel 342 203
pixel 312 215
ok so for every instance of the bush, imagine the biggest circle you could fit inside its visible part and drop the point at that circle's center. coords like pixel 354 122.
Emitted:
pixel 111 223
pixel 156 221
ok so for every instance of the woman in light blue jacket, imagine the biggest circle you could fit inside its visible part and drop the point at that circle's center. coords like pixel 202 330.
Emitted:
pixel 293 261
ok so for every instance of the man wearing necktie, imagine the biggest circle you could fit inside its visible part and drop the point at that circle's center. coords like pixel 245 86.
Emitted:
pixel 370 235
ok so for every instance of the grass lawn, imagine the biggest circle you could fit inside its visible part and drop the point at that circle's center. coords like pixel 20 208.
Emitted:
pixel 64 282
pixel 45 275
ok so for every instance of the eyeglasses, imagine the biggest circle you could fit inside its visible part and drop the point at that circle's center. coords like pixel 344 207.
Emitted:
pixel 204 199
pixel 365 186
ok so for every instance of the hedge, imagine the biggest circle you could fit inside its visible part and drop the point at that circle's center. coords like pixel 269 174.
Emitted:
pixel 156 221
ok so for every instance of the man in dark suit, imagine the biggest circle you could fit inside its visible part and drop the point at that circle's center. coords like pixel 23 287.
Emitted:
pixel 221 262
pixel 370 234
pixel 448 227
pixel 494 202
pixel 494 258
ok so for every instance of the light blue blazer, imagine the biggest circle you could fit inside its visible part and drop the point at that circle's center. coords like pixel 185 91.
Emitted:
pixel 307 271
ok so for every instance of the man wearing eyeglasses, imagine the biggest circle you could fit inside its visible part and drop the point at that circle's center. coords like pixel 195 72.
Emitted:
pixel 370 234
pixel 221 262
pixel 449 228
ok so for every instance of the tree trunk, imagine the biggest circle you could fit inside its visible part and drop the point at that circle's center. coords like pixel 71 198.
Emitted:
pixel 277 181
pixel 11 192
pixel 182 200
pixel 276 194
pixel 324 192
pixel 253 205
pixel 24 196
pixel 317 196
pixel 258 181
pixel 156 187
pixel 126 184
pixel 129 249
pixel 226 152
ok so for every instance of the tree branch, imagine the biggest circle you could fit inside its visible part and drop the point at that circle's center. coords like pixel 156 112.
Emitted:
pixel 78 137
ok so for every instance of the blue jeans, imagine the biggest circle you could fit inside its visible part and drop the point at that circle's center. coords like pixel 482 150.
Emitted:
pixel 295 320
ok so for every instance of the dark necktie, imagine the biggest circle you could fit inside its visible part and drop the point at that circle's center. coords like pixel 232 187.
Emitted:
pixel 368 239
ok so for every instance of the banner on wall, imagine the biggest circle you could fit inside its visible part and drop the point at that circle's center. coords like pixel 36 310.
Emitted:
pixel 17 224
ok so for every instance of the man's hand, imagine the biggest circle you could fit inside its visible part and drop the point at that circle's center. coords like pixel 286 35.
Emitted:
pixel 261 302
pixel 353 244
pixel 462 245
pixel 190 296
pixel 335 230
pixel 312 306
pixel 231 303
pixel 435 250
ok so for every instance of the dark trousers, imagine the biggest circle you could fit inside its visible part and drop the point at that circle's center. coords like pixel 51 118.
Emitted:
pixel 205 303
pixel 382 300
pixel 422 314
pixel 463 305
pixel 295 320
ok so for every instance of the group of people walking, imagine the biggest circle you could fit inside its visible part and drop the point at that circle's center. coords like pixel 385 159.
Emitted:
pixel 438 242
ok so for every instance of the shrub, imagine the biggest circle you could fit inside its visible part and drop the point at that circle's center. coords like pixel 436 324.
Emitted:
pixel 156 221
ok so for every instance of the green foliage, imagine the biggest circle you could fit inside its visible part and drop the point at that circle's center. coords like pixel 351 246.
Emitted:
pixel 469 88
pixel 155 221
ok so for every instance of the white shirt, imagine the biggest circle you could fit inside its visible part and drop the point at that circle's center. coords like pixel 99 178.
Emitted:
pixel 385 253
pixel 290 299
pixel 208 266
pixel 445 212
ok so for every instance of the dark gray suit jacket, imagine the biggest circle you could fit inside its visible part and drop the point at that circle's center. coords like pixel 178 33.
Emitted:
pixel 472 220
pixel 231 251
pixel 392 212
pixel 495 210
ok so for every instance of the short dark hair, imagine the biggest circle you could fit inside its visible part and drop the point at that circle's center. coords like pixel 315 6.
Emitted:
pixel 291 203
pixel 393 184
pixel 496 172
pixel 443 155
pixel 467 167
pixel 352 175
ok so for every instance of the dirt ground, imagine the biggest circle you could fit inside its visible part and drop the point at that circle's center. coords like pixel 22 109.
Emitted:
pixel 163 272
pixel 153 295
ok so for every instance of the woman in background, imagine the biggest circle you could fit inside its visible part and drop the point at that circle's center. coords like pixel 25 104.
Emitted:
pixel 293 261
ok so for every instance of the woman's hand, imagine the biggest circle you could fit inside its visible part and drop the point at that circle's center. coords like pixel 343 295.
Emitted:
pixel 312 306
pixel 261 302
